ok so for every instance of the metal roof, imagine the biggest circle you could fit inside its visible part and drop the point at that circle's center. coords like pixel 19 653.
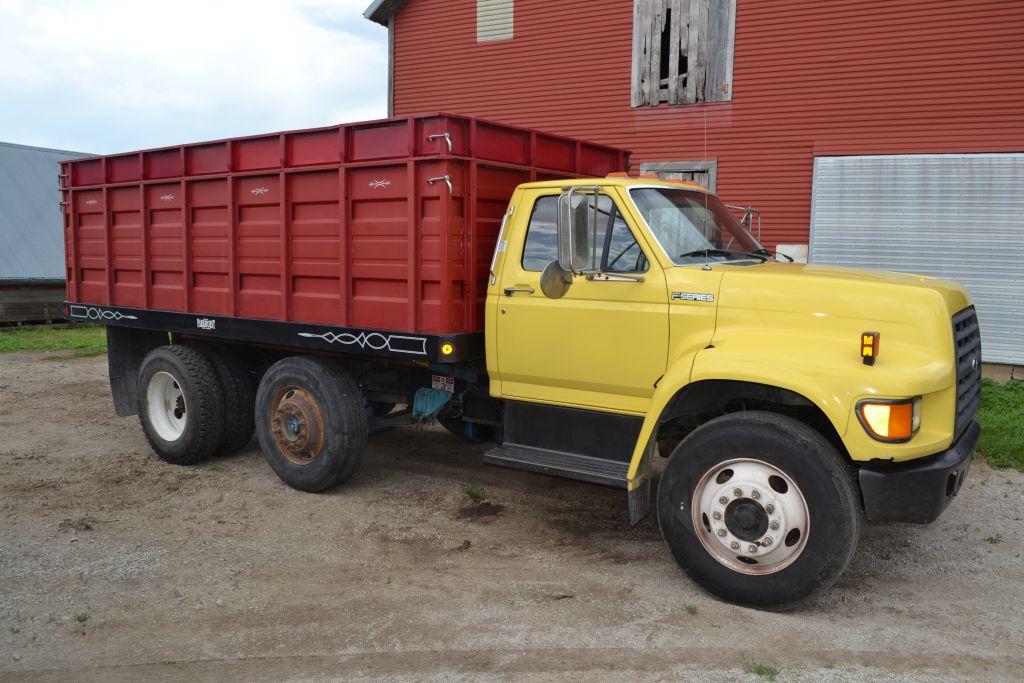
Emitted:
pixel 381 11
pixel 31 231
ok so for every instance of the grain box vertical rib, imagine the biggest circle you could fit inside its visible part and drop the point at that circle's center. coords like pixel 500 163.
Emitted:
pixel 412 245
pixel 145 236
pixel 108 235
pixel 186 246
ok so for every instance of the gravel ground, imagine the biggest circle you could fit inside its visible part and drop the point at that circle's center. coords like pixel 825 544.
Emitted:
pixel 116 566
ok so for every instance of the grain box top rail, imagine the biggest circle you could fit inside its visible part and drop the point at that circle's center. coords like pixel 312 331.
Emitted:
pixel 423 135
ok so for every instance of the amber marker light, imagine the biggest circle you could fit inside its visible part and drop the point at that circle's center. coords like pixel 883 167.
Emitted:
pixel 447 348
pixel 869 346
pixel 890 421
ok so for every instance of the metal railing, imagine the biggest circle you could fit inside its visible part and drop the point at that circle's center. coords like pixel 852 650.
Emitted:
pixel 749 217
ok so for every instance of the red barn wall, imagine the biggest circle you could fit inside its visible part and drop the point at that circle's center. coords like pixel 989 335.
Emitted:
pixel 810 78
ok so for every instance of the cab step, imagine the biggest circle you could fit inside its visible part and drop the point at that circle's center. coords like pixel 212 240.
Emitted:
pixel 560 464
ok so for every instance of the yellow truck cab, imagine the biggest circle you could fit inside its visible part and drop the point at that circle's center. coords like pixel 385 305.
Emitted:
pixel 628 318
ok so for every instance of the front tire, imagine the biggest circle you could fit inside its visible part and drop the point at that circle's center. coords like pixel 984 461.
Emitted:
pixel 181 404
pixel 311 422
pixel 760 510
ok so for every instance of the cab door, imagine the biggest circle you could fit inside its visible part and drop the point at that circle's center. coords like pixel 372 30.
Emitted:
pixel 602 345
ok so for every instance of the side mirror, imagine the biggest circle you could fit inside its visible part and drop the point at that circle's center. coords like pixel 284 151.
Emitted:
pixel 573 235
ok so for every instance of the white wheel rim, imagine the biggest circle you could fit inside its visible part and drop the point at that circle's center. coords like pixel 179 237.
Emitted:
pixel 166 404
pixel 750 516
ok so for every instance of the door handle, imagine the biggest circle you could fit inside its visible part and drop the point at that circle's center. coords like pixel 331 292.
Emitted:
pixel 509 291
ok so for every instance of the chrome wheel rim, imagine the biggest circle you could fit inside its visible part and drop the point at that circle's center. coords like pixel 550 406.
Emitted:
pixel 166 404
pixel 750 516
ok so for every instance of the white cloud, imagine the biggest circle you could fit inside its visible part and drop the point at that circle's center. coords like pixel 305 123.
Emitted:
pixel 109 75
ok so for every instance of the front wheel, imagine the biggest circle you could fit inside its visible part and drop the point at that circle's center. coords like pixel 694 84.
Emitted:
pixel 759 509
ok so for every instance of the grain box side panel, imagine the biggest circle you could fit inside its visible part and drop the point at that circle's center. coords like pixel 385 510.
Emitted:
pixel 378 226
pixel 125 217
pixel 314 233
pixel 260 247
pixel 166 246
pixel 91 233
pixel 211 246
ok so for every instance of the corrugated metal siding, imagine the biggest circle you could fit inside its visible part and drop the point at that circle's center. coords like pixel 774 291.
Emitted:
pixel 31 233
pixel 953 216
pixel 493 20
pixel 810 78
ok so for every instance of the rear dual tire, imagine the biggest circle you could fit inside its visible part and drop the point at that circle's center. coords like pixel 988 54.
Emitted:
pixel 181 404
pixel 195 401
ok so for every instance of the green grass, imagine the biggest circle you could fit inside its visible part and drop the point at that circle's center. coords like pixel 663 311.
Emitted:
pixel 762 670
pixel 1002 423
pixel 82 341
pixel 475 493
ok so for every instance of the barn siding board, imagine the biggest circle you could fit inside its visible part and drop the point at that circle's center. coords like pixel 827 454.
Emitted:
pixel 808 79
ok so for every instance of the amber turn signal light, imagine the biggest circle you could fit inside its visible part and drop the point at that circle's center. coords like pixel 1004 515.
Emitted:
pixel 890 421
pixel 869 346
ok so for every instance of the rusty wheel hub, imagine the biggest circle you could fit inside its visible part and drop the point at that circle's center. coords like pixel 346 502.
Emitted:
pixel 297 425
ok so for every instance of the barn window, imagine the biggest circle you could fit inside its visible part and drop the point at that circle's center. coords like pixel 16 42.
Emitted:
pixel 682 51
pixel 493 20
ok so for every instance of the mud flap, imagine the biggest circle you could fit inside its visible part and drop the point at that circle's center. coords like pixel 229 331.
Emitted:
pixel 126 349
pixel 639 498
pixel 639 502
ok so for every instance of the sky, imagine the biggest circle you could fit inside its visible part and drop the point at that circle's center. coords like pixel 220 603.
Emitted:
pixel 104 76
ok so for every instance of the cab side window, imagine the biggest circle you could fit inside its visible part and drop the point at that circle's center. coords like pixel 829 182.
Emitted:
pixel 541 246
pixel 618 249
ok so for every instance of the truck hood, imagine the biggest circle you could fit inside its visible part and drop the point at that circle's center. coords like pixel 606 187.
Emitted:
pixel 789 314
pixel 840 292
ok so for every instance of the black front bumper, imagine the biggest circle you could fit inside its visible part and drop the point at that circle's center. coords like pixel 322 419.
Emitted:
pixel 917 491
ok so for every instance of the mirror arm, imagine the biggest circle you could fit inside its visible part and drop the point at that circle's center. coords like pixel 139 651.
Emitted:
pixel 615 277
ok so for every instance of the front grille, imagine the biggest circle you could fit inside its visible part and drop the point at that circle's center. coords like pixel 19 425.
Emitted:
pixel 967 345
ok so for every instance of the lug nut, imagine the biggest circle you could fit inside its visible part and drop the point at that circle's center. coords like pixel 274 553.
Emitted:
pixel 767 540
pixel 722 532
pixel 737 492
pixel 735 545
pixel 752 548
pixel 769 508
pixel 755 494
pixel 773 526
pixel 723 500
pixel 716 515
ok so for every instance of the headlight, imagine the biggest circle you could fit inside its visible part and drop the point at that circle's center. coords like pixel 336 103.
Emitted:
pixel 890 421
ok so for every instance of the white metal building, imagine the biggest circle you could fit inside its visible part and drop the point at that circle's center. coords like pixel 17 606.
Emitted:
pixel 956 216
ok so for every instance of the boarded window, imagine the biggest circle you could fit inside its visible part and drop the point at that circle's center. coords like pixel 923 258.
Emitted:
pixel 682 51
pixel 493 20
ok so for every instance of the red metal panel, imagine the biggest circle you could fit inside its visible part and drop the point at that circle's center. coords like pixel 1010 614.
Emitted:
pixel 210 246
pixel 810 78
pixel 125 216
pixel 166 246
pixel 384 224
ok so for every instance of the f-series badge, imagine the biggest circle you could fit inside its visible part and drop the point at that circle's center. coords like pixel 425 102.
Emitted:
pixel 692 296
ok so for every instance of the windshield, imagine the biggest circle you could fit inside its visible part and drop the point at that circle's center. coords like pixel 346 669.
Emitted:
pixel 693 227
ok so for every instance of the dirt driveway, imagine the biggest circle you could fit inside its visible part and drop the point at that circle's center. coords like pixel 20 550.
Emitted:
pixel 114 565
